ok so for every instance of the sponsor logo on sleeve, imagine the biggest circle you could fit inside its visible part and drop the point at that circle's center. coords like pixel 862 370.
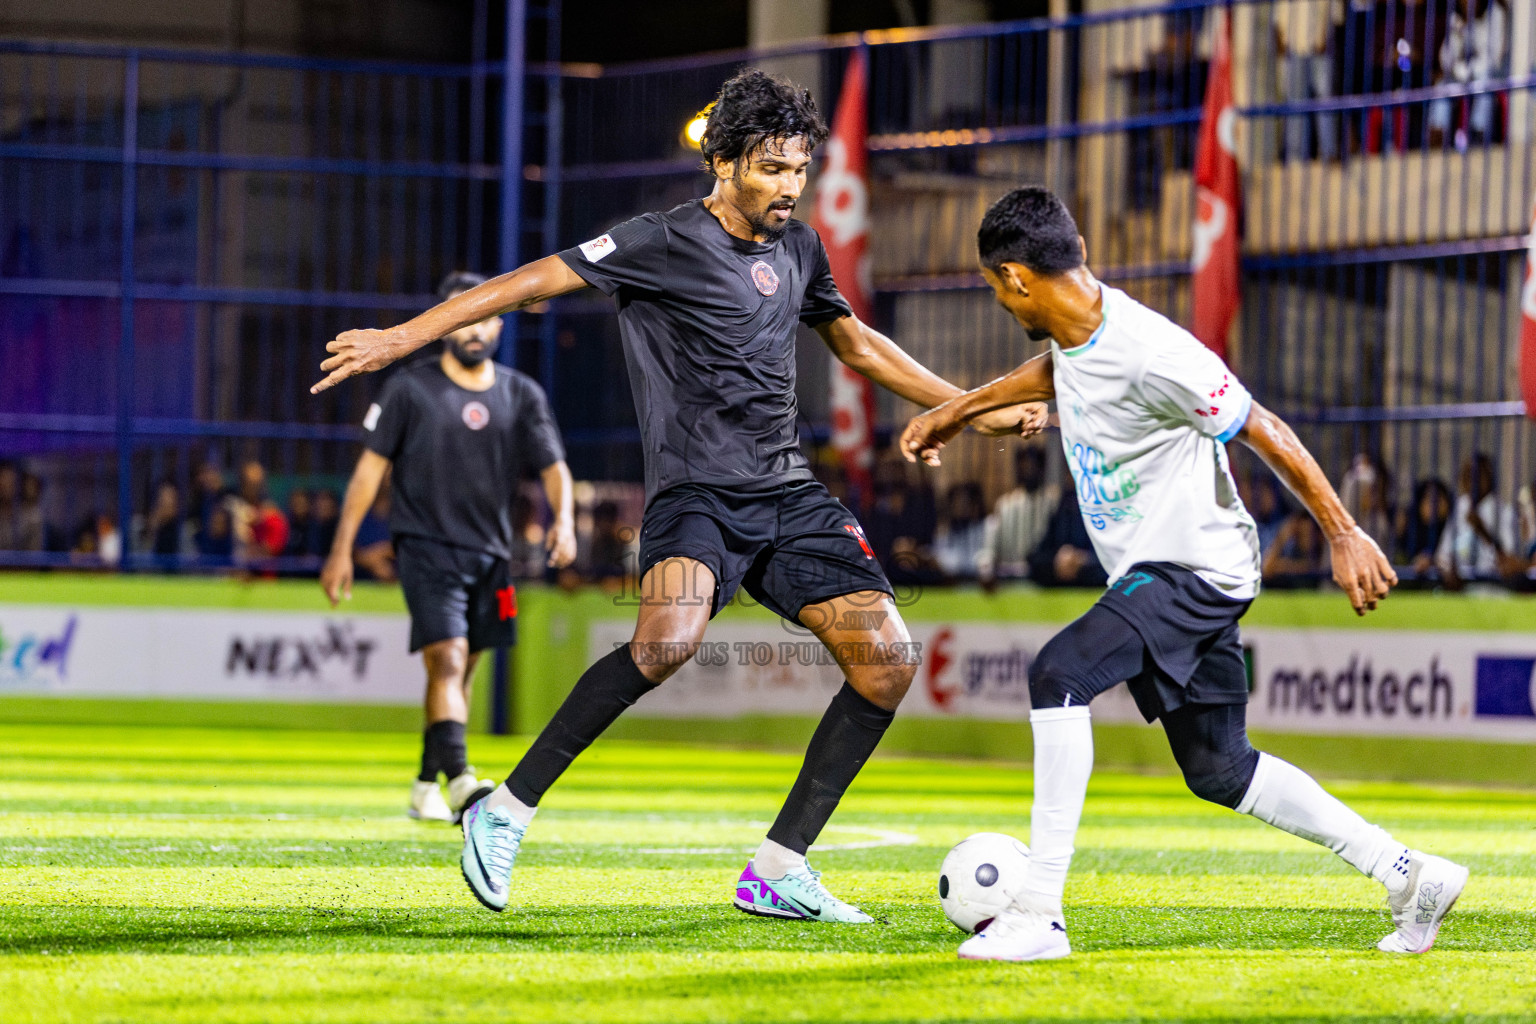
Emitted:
pixel 1506 687
pixel 599 247
pixel 371 420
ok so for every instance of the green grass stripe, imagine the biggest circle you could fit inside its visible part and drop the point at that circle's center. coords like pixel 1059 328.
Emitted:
pixel 687 987
pixel 175 875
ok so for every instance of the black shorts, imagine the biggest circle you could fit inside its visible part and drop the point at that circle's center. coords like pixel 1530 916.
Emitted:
pixel 788 546
pixel 1193 649
pixel 456 592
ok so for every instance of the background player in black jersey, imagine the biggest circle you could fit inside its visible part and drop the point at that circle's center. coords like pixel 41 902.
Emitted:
pixel 708 298
pixel 456 431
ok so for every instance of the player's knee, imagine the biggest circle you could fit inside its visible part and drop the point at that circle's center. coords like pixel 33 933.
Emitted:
pixel 659 659
pixel 1224 779
pixel 886 685
pixel 1052 681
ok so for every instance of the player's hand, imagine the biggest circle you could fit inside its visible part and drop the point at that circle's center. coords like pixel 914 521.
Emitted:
pixel 1360 569
pixel 1024 420
pixel 336 578
pixel 560 542
pixel 928 433
pixel 356 352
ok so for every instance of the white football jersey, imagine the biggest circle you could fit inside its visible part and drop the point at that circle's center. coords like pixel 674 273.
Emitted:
pixel 1145 413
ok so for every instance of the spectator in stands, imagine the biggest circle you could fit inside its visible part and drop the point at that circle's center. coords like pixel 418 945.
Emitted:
pixel 529 559
pixel 158 532
pixel 1019 521
pixel 208 491
pixel 1265 503
pixel 1299 554
pixel 1423 524
pixel 10 505
pixel 323 529
pixel 1174 80
pixel 215 538
pixel 301 523
pixel 1065 555
pixel 613 550
pixel 261 529
pixel 1388 47
pixel 85 549
pixel 373 552
pixel 21 519
pixel 962 531
pixel 1476 49
pixel 1481 531
pixel 1365 493
pixel 33 531
pixel 900 523
pixel 1525 503
pixel 1303 29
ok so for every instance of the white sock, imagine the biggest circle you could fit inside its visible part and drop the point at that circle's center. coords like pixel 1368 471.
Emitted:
pixel 502 797
pixel 1063 762
pixel 1290 799
pixel 775 861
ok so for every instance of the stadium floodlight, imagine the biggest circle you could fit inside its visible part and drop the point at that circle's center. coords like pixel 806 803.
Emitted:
pixel 693 131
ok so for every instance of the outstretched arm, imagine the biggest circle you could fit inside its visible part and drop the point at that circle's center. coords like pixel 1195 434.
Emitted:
pixel 930 432
pixel 867 351
pixel 355 352
pixel 1359 567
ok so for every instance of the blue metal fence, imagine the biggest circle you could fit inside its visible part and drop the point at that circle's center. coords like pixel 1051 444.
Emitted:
pixel 181 232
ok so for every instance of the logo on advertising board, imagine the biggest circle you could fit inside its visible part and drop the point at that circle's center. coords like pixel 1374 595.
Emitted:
pixel 337 655
pixel 1359 690
pixel 1506 686
pixel 991 675
pixel 31 659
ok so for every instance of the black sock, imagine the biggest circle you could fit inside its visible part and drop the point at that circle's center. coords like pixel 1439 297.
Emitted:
pixel 847 735
pixel 602 694
pixel 443 750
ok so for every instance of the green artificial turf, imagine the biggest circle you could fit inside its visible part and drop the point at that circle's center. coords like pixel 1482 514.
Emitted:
pixel 222 875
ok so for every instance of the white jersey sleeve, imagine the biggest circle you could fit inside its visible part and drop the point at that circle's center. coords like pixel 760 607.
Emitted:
pixel 1189 384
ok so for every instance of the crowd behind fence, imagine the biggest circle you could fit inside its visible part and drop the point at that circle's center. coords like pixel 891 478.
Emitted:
pixel 181 233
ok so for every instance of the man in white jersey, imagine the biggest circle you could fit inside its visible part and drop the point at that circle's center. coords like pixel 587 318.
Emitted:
pixel 1145 410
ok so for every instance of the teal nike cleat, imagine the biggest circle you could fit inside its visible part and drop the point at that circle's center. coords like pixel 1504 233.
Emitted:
pixel 491 840
pixel 798 894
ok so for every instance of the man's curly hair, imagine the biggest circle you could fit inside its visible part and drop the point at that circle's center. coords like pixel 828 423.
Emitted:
pixel 755 109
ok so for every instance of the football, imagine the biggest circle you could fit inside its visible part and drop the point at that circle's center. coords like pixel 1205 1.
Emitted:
pixel 979 877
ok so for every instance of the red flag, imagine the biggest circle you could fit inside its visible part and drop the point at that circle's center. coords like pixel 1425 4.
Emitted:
pixel 1218 199
pixel 1528 329
pixel 842 220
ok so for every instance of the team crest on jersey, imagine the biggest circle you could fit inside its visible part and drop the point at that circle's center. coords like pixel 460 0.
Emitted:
pixel 476 415
pixel 764 277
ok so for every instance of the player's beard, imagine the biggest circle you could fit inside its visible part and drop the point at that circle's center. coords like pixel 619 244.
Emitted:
pixel 767 227
pixel 1037 334
pixel 470 360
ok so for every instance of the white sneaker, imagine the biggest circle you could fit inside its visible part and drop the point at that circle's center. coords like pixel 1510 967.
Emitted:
pixel 1019 933
pixel 465 789
pixel 427 802
pixel 1434 883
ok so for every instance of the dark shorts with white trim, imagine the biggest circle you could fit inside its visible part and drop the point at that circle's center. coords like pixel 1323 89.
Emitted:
pixel 788 546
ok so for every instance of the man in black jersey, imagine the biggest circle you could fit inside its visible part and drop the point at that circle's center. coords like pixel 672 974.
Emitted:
pixel 456 430
pixel 708 297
